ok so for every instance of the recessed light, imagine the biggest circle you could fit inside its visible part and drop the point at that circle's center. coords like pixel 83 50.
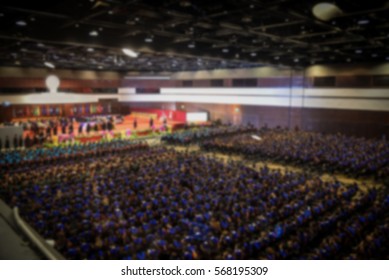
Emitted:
pixel 21 23
pixel 149 39
pixel 90 49
pixel 40 45
pixel 191 45
pixel 110 12
pixel 130 53
pixel 358 51
pixel 49 64
pixel 253 54
pixel 296 60
pixel 225 50
pixel 93 33
pixel 276 57
pixel 363 21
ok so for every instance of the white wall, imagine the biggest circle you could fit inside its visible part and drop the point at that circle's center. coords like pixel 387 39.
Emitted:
pixel 356 99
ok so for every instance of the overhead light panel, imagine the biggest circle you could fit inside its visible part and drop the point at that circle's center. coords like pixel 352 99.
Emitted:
pixel 130 53
pixel 49 65
pixel 363 21
pixel 21 23
pixel 149 39
pixel 93 33
pixel 191 45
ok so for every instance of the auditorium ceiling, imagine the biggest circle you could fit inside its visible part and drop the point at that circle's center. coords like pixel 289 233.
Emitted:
pixel 181 35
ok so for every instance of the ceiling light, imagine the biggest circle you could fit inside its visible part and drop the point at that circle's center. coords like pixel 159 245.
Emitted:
pixel 49 65
pixel 246 19
pixel 191 45
pixel 90 49
pixel 296 60
pixel 185 3
pixel 276 57
pixel 358 51
pixel 21 23
pixel 40 45
pixel 225 50
pixel 93 33
pixel 130 53
pixel 363 21
pixel 149 39
pixel 326 11
pixel 253 54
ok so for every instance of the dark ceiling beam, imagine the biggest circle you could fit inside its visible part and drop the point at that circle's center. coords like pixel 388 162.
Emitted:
pixel 307 35
pixel 277 25
pixel 37 13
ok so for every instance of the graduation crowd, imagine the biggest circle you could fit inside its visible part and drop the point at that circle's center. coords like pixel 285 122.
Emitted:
pixel 316 151
pixel 196 135
pixel 125 200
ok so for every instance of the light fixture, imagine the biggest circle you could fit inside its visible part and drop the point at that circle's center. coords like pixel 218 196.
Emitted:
pixel 191 45
pixel 90 49
pixel 94 33
pixel 363 21
pixel 296 60
pixel 225 50
pixel 326 11
pixel 130 53
pixel 253 54
pixel 49 64
pixel 21 23
pixel 185 3
pixel 358 51
pixel 276 57
pixel 149 39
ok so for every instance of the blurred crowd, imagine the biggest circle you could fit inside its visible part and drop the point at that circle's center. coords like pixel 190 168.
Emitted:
pixel 125 200
pixel 323 152
pixel 193 136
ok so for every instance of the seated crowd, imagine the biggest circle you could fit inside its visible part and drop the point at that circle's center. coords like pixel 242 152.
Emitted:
pixel 325 152
pixel 191 136
pixel 155 203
